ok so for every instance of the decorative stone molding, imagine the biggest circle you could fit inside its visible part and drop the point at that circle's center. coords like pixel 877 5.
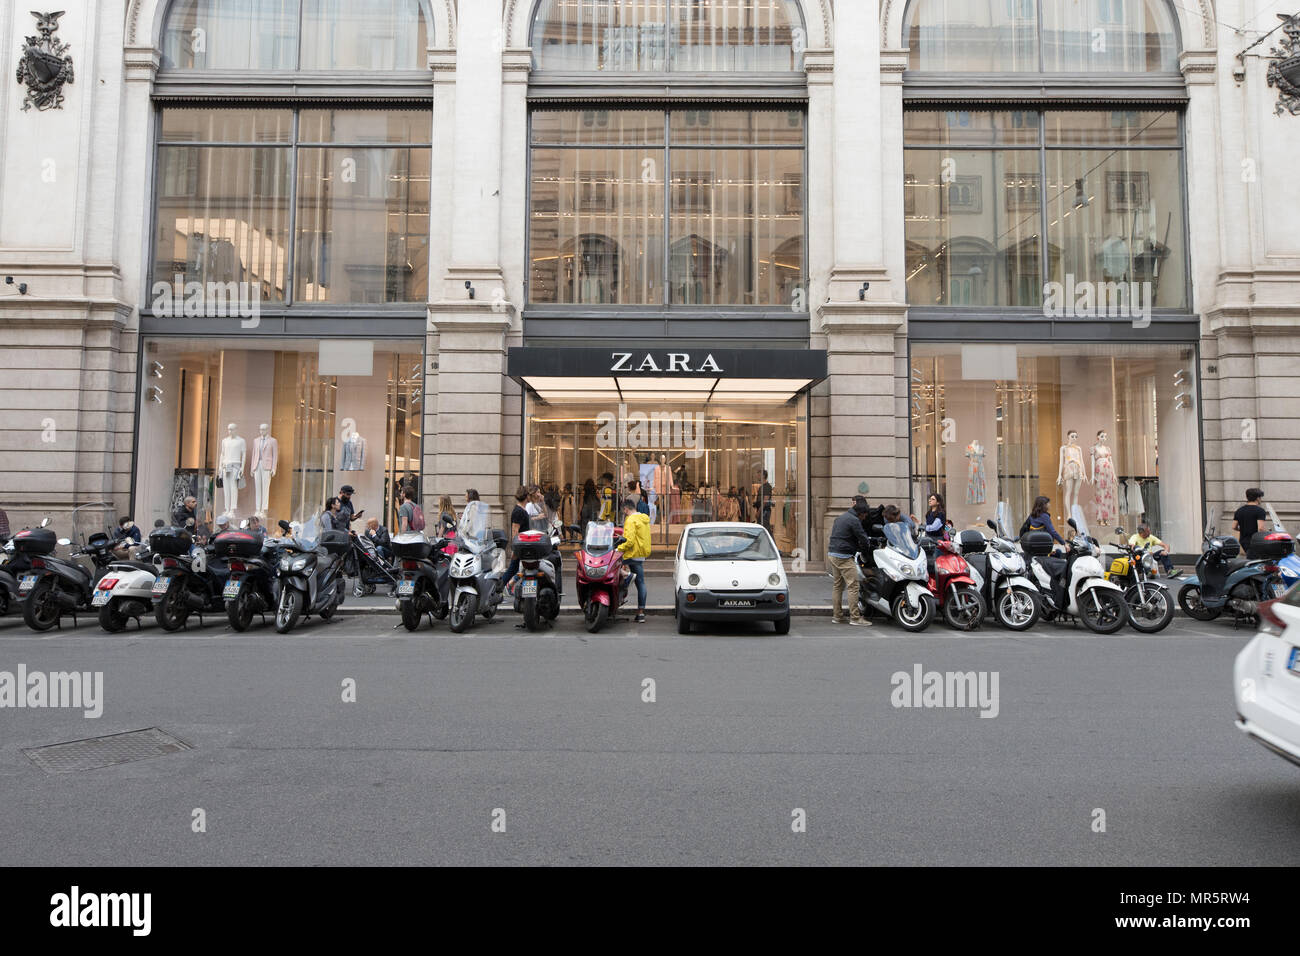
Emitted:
pixel 892 65
pixel 1284 67
pixel 45 65
pixel 442 63
pixel 819 66
pixel 516 65
pixel 141 64
pixel 1198 66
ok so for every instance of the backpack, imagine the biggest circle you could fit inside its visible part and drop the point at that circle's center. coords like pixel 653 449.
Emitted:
pixel 417 517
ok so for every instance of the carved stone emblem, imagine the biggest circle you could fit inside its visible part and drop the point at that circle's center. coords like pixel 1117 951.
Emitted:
pixel 46 64
pixel 1284 71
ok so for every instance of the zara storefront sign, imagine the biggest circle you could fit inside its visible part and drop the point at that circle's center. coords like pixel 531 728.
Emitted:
pixel 663 363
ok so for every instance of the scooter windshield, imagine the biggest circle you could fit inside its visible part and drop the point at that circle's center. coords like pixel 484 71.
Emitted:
pixel 472 528
pixel 599 538
pixel 899 537
pixel 308 535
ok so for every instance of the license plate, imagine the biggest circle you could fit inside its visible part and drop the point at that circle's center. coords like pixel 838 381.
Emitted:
pixel 1293 662
pixel 160 586
pixel 231 590
pixel 736 602
pixel 530 588
pixel 405 588
pixel 27 583
pixel 101 598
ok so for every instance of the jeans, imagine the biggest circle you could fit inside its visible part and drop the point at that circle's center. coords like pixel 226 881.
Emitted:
pixel 844 574
pixel 637 567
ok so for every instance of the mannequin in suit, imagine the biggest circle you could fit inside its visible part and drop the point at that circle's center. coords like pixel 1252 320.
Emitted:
pixel 231 467
pixel 266 458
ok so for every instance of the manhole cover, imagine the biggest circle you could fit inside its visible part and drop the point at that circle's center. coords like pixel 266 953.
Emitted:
pixel 96 752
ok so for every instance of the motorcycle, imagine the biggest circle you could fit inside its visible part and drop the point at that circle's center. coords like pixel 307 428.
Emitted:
pixel 252 560
pixel 310 576
pixel 13 565
pixel 54 586
pixel 1075 586
pixel 423 585
pixel 190 579
pixel 893 578
pixel 125 592
pixel 473 586
pixel 998 569
pixel 1225 580
pixel 536 594
pixel 1150 605
pixel 601 588
pixel 950 581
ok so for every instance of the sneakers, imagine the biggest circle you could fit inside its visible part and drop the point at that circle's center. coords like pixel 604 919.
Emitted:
pixel 837 620
pixel 859 622
pixel 640 617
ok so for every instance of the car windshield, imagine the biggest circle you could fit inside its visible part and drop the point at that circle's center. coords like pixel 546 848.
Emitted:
pixel 729 544
pixel 600 537
pixel 899 536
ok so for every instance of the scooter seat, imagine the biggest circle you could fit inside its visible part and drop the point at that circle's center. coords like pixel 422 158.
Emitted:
pixel 136 565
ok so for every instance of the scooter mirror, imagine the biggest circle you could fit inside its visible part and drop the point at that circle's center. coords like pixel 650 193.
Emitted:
pixel 1119 530
pixel 1072 524
pixel 284 525
pixel 992 524
pixel 45 522
pixel 244 524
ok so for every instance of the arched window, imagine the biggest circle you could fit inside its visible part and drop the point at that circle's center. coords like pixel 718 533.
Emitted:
pixel 318 35
pixel 654 36
pixel 998 36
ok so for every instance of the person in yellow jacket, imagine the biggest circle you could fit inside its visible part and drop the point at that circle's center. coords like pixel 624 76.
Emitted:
pixel 635 549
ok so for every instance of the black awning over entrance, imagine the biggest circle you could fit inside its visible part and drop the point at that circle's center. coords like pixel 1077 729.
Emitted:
pixel 688 362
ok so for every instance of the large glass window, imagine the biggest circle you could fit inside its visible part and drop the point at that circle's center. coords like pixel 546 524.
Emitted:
pixel 357 208
pixel 965 36
pixel 728 183
pixel 339 413
pixel 645 36
pixel 981 189
pixel 294 34
pixel 1109 428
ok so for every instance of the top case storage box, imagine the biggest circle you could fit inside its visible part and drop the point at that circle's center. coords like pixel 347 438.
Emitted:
pixel 1273 546
pixel 335 542
pixel 970 542
pixel 1226 545
pixel 237 544
pixel 412 545
pixel 1036 544
pixel 170 541
pixel 35 541
pixel 532 546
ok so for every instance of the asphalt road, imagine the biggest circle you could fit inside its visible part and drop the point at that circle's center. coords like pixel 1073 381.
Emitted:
pixel 553 730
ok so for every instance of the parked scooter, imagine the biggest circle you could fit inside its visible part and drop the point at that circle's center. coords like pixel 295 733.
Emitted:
pixel 893 578
pixel 474 585
pixel 601 587
pixel 536 592
pixel 13 565
pixel 190 579
pixel 125 592
pixel 1075 586
pixel 950 581
pixel 252 560
pixel 1150 604
pixel 57 586
pixel 1225 581
pixel 998 569
pixel 423 583
pixel 310 579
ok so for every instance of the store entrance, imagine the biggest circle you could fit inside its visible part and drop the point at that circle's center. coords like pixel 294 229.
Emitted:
pixel 693 459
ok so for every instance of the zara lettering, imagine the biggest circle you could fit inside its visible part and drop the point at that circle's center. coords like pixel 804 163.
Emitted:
pixel 676 362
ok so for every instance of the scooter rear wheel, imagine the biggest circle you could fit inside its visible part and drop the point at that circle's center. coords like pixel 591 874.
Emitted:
pixel 111 619
pixel 171 610
pixel 1189 599
pixel 240 611
pixel 40 609
pixel 411 613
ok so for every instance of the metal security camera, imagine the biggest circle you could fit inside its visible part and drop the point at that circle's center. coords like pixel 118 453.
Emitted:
pixel 470 286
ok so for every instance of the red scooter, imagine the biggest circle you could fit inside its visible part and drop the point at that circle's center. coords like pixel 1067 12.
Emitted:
pixel 601 587
pixel 953 588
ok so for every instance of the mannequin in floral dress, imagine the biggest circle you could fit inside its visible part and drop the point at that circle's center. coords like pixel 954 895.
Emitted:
pixel 1106 500
pixel 975 487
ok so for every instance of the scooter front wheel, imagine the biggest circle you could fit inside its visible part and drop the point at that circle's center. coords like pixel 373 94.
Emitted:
pixel 911 618
pixel 1103 610
pixel 289 609
pixel 596 615
pixel 1017 609
pixel 964 609
pixel 463 609
pixel 1190 600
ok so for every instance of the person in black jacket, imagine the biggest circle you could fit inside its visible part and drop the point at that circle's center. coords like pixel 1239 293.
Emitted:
pixel 848 537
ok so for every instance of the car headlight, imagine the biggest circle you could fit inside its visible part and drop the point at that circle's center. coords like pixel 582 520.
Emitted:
pixel 693 580
pixel 774 579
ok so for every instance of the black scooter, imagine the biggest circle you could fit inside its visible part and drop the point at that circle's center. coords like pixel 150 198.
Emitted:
pixel 190 579
pixel 423 585
pixel 55 586
pixel 310 578
pixel 253 561
pixel 13 565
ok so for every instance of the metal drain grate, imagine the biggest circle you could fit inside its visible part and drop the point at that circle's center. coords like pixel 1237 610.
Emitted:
pixel 96 752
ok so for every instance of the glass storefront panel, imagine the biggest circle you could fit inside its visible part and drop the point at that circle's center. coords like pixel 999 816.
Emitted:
pixel 698 458
pixel 340 413
pixel 994 426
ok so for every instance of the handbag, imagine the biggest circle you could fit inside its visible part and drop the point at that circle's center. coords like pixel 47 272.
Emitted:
pixel 219 482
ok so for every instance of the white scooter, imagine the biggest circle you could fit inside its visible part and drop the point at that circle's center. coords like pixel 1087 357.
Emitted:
pixel 474 586
pixel 1075 586
pixel 126 590
pixel 897 584
pixel 998 569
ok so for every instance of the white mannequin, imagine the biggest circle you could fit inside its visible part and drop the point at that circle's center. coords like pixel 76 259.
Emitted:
pixel 1069 471
pixel 231 468
pixel 1101 460
pixel 266 458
